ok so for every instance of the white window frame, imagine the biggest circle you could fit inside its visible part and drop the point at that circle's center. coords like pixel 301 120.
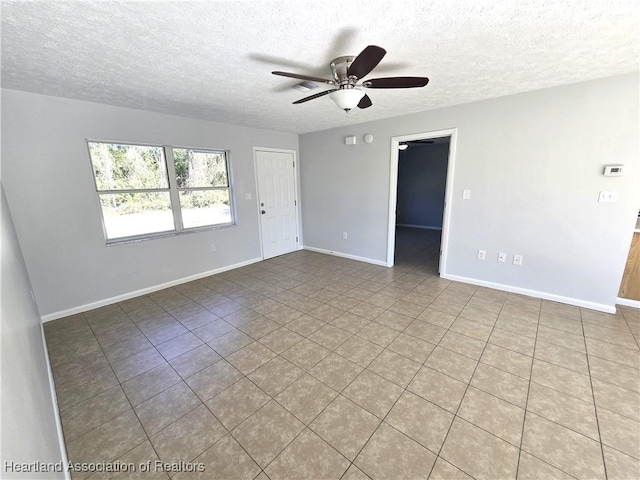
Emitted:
pixel 172 189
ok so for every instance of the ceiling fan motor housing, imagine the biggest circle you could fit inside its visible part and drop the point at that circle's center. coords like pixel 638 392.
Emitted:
pixel 339 68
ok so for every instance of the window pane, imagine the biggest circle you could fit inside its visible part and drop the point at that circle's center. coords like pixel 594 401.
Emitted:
pixel 128 167
pixel 129 214
pixel 205 207
pixel 198 168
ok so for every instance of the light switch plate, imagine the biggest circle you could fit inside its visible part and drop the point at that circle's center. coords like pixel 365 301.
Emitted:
pixel 607 197
pixel 466 194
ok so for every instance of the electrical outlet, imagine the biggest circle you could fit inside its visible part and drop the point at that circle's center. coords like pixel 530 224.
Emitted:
pixel 213 247
pixel 502 257
pixel 344 235
pixel 481 254
pixel 517 259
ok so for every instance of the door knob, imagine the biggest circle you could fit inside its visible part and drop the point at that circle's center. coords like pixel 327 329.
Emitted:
pixel 263 212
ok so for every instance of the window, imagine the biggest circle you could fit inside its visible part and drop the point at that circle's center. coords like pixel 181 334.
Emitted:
pixel 147 191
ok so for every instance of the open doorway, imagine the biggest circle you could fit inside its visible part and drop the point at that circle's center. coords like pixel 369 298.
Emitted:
pixel 419 197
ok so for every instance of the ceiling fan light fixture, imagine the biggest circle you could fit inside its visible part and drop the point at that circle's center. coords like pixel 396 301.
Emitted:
pixel 347 98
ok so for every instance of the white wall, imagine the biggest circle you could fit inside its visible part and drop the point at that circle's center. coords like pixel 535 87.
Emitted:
pixel 29 430
pixel 422 175
pixel 533 163
pixel 49 187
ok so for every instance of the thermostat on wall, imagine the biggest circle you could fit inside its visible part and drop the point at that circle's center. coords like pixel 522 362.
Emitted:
pixel 613 170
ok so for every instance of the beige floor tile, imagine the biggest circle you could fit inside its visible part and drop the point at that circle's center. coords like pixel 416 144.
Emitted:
pixel 423 421
pixel 242 317
pixel 91 413
pixel 532 468
pixel 281 339
pixel 212 380
pixel 493 415
pixel 617 399
pixel 229 343
pixel 479 331
pixel 326 313
pixel 406 308
pixel 85 387
pixel 619 432
pixel 275 375
pixel 354 473
pixel 493 305
pixel 306 398
pixel 188 437
pixel 507 360
pixel 108 441
pixel 225 459
pixel 167 332
pixel 562 357
pixel 425 331
pixel 619 465
pixel 345 426
pixel 390 454
pixel 394 367
pixel 561 338
pixel 336 371
pixel 213 330
pixel 629 357
pixel 267 432
pixel 284 315
pixel 562 379
pixel 330 337
pixel 479 453
pixel 237 403
pixel 122 350
pixel 306 354
pixel 373 393
pixel 193 361
pixel 517 326
pixel 615 373
pixel 308 456
pixel 150 383
pixel 198 319
pixel 444 391
pixel 436 317
pixel 166 407
pixel 378 334
pixel 359 350
pixel 249 358
pixel 367 310
pixel 452 364
pixel 512 341
pixel 350 322
pixel 566 410
pixel 508 387
pixel 617 337
pixel 140 455
pixel 462 344
pixel 485 315
pixel 564 449
pixel 443 470
pixel 137 364
pixel 561 323
pixel 411 347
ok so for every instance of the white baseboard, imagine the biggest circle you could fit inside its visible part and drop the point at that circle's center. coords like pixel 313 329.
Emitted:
pixel 144 291
pixel 533 293
pixel 56 412
pixel 627 302
pixel 345 255
pixel 424 227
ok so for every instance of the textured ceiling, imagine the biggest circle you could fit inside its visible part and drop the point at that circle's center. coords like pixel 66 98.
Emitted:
pixel 212 60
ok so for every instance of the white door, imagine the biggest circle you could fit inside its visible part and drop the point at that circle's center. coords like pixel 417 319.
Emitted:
pixel 277 202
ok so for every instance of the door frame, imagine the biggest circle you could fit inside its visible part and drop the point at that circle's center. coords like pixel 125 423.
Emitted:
pixel 448 195
pixel 295 191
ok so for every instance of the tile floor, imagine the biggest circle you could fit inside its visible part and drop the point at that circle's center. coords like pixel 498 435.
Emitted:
pixel 312 366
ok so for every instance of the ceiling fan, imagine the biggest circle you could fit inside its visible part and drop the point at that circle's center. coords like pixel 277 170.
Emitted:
pixel 347 71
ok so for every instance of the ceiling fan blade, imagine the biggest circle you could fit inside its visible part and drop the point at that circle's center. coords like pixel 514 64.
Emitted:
pixel 365 102
pixel 317 95
pixel 396 82
pixel 366 61
pixel 304 77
